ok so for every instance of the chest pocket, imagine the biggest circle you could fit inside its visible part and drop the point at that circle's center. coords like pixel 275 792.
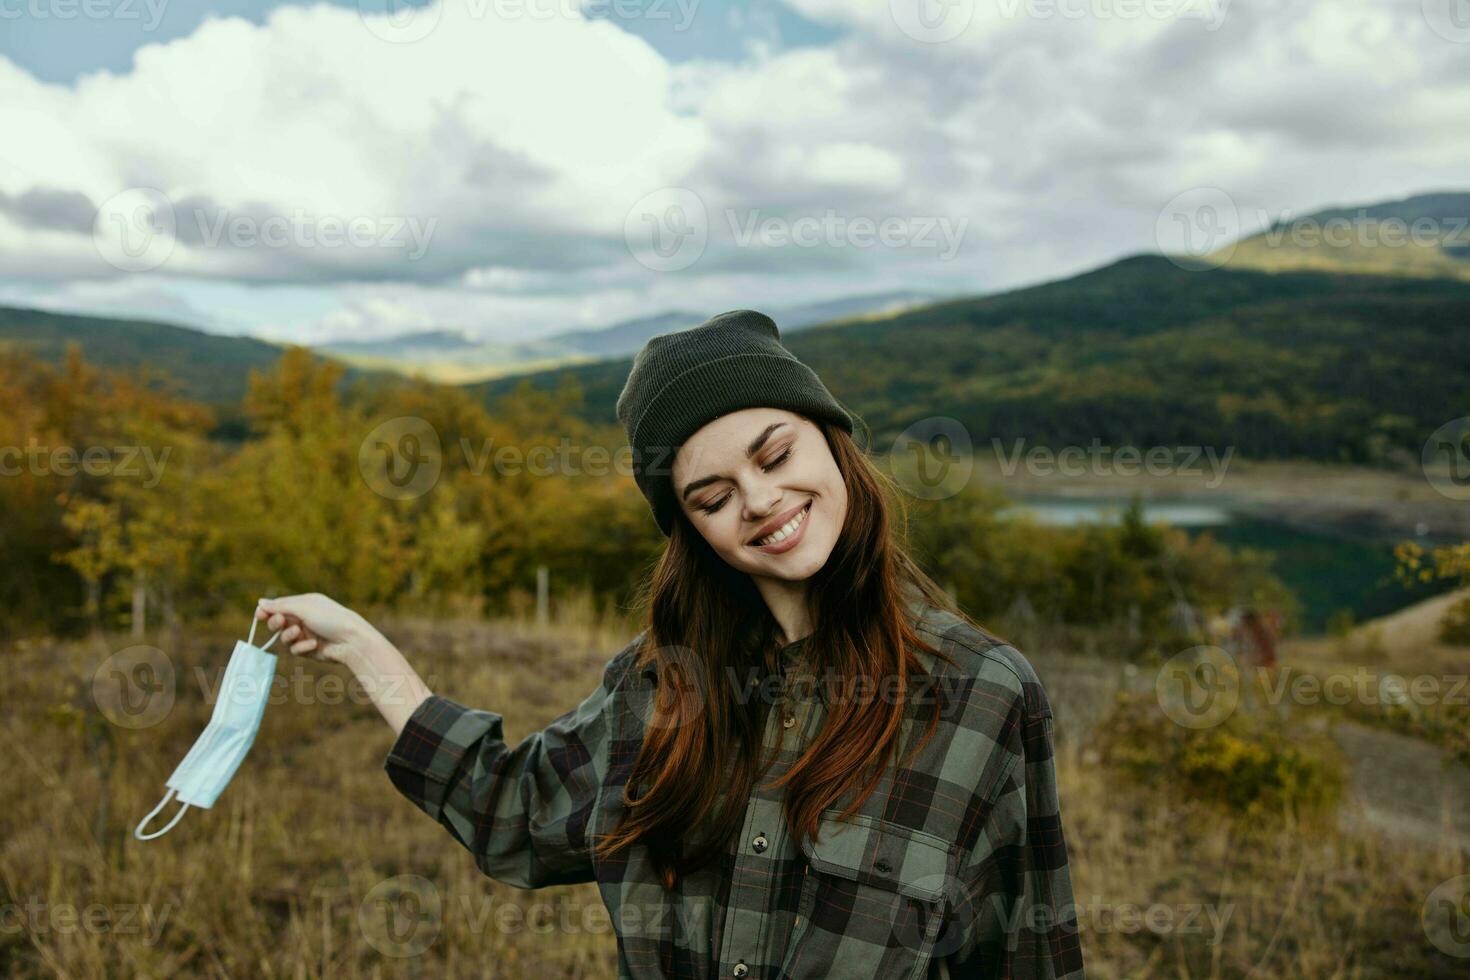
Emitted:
pixel 872 900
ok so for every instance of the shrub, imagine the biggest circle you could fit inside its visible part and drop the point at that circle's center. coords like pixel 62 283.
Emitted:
pixel 1454 628
pixel 1251 764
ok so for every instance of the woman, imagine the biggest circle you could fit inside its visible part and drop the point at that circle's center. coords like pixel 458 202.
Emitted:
pixel 749 785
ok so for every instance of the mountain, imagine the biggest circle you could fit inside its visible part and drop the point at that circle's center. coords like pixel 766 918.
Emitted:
pixel 1144 353
pixel 431 343
pixel 1427 236
pixel 625 337
pixel 445 356
pixel 451 357
pixel 215 368
pixel 852 308
pixel 1140 352
pixel 207 367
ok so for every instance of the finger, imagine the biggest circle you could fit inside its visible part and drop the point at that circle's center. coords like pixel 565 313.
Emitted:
pixel 290 605
pixel 282 620
pixel 291 633
pixel 304 646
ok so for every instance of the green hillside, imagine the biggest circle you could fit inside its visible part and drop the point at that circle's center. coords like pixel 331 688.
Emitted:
pixel 1142 352
pixel 206 367
pixel 1426 236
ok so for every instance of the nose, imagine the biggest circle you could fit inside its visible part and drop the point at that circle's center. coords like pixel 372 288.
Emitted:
pixel 763 503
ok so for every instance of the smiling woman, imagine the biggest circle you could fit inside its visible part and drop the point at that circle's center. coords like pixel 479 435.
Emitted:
pixel 745 785
pixel 772 511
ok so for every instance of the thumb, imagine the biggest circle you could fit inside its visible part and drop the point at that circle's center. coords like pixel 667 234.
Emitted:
pixel 294 607
pixel 266 608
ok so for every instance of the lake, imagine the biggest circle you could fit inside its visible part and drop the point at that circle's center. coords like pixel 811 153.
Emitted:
pixel 1327 571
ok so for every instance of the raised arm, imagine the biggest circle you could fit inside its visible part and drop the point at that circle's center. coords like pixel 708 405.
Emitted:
pixel 522 811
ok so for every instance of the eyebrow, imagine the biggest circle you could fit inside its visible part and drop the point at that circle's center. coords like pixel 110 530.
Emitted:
pixel 750 450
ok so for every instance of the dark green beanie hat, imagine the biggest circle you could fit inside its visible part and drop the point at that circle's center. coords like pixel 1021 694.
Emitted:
pixel 680 381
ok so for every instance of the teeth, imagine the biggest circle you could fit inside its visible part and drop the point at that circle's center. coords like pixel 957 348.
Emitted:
pixel 785 531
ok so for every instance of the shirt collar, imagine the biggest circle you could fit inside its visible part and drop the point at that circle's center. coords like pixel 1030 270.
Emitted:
pixel 793 655
pixel 792 652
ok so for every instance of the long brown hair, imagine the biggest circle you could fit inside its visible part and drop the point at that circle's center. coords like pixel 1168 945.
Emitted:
pixel 707 622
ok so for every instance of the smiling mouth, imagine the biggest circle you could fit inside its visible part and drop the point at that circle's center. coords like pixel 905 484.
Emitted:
pixel 787 531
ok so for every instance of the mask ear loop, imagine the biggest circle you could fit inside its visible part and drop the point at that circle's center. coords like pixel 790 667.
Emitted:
pixel 138 830
pixel 251 638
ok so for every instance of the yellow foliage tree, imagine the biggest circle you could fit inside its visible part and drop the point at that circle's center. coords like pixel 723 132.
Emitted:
pixel 96 528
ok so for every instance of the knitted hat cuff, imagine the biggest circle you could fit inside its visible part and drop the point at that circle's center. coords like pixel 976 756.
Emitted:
pixel 697 379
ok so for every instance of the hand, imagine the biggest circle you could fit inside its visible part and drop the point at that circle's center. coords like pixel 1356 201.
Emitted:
pixel 319 627
pixel 315 626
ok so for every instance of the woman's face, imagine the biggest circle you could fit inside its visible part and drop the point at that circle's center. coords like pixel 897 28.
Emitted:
pixel 746 474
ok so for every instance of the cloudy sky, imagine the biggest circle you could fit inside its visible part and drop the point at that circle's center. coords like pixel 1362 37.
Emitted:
pixel 517 167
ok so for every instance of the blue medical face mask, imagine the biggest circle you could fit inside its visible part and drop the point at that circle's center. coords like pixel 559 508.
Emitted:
pixel 226 740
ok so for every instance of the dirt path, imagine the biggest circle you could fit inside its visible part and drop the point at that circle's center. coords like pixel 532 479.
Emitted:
pixel 1404 786
pixel 1398 785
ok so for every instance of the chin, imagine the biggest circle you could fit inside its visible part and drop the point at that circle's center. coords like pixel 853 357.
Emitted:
pixel 794 568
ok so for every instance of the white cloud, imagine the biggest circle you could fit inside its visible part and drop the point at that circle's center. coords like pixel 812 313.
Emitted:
pixel 487 126
pixel 1055 130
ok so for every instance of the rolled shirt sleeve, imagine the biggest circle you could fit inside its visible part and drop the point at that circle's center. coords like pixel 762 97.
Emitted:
pixel 523 812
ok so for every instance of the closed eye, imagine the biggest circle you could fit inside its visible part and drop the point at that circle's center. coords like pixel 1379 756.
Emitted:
pixel 785 455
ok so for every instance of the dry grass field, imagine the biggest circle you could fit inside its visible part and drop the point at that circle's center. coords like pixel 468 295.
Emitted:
pixel 311 865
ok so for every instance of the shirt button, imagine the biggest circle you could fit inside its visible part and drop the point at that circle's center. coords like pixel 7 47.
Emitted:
pixel 741 969
pixel 759 843
pixel 788 721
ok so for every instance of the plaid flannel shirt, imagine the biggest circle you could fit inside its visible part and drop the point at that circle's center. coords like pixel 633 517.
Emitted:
pixel 955 867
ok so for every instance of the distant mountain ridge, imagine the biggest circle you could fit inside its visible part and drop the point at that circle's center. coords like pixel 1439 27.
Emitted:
pixel 428 341
pixel 214 368
pixel 210 368
pixel 451 356
pixel 207 367
pixel 625 337
pixel 1425 236
pixel 1143 353
pixel 1435 206
pixel 1277 362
